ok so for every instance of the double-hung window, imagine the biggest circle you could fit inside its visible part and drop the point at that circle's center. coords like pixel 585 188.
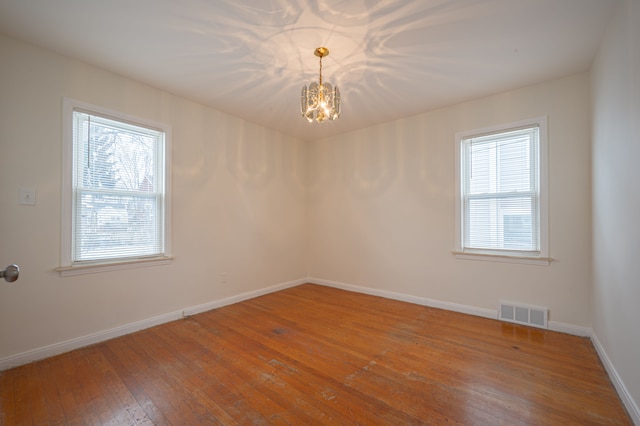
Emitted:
pixel 116 190
pixel 501 200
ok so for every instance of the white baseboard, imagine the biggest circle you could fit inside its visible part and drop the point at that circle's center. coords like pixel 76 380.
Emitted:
pixel 465 309
pixel 623 392
pixel 79 342
pixel 471 310
pixel 576 330
pixel 90 339
pixel 240 297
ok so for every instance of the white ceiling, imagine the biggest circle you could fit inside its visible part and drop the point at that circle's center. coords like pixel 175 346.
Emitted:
pixel 250 58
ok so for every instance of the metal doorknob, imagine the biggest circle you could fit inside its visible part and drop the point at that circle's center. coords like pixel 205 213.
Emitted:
pixel 11 273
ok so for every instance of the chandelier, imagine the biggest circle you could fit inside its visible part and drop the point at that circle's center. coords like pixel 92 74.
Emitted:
pixel 320 101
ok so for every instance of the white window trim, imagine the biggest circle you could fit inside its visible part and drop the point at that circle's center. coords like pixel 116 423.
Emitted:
pixel 508 257
pixel 67 268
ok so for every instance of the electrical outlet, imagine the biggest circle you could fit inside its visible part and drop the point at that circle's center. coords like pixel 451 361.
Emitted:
pixel 223 277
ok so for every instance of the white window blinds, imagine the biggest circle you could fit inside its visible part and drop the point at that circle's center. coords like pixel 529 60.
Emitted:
pixel 500 185
pixel 118 190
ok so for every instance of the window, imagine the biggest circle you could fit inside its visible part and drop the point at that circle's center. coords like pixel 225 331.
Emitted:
pixel 116 197
pixel 501 202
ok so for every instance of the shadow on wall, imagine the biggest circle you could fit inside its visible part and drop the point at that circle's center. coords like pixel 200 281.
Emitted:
pixel 251 159
pixel 372 166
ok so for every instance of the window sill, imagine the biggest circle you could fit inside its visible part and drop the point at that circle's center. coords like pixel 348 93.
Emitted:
pixel 93 268
pixel 543 261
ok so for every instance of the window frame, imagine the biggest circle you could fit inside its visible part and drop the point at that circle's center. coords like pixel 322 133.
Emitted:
pixel 68 266
pixel 510 256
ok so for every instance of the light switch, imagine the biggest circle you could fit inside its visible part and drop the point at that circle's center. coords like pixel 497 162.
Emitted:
pixel 27 197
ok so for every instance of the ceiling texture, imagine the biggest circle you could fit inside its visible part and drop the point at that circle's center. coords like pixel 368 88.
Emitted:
pixel 250 58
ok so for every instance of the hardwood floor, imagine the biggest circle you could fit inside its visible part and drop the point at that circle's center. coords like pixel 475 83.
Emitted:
pixel 317 355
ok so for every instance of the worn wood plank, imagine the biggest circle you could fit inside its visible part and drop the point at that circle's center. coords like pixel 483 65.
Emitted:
pixel 7 398
pixel 319 355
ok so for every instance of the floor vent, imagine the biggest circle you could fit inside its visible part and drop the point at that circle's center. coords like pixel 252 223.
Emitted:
pixel 523 314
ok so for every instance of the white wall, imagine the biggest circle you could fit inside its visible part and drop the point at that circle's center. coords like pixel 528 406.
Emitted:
pixel 239 205
pixel 381 211
pixel 616 196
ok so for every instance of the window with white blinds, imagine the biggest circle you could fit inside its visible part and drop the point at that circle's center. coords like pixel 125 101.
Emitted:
pixel 502 199
pixel 118 189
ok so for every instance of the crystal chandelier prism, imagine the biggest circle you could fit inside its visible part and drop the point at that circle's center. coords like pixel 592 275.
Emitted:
pixel 320 101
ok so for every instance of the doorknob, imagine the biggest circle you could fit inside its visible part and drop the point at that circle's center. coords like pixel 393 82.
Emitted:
pixel 11 273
